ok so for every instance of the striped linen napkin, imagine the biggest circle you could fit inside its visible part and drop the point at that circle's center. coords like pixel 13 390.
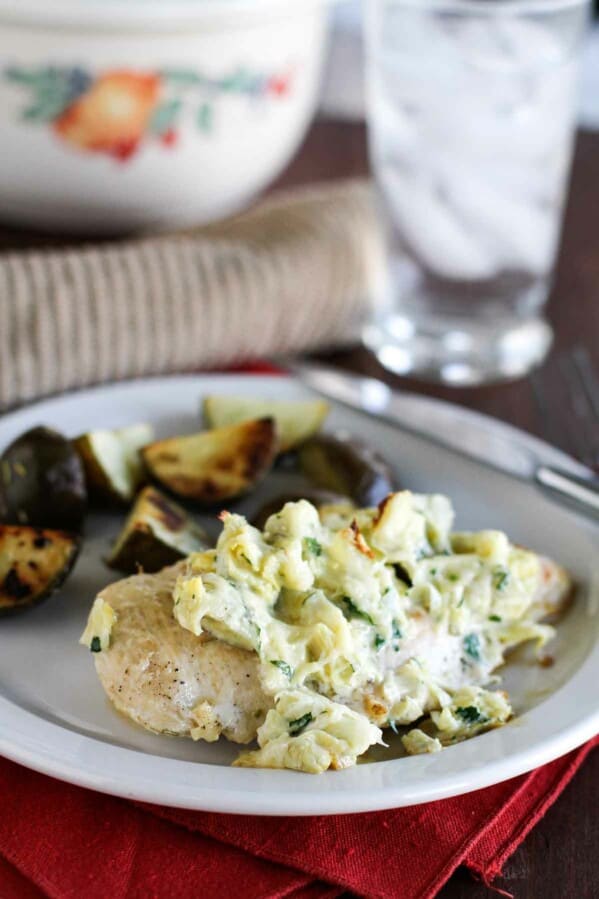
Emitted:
pixel 298 272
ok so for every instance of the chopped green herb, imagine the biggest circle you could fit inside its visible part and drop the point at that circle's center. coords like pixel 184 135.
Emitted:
pixel 472 646
pixel 501 578
pixel 298 724
pixel 313 545
pixel 283 666
pixel 470 714
pixel 452 576
pixel 352 611
pixel 433 572
pixel 378 641
pixel 387 590
pixel 95 645
pixel 397 634
pixel 494 617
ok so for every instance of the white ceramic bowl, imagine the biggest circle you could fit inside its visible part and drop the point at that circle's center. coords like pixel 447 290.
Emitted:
pixel 117 115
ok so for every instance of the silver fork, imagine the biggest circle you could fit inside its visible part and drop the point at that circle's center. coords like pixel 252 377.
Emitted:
pixel 567 397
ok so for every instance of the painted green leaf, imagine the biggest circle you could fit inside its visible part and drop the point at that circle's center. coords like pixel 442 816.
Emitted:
pixel 233 82
pixel 20 76
pixel 52 89
pixel 205 117
pixel 183 77
pixel 165 116
pixel 40 112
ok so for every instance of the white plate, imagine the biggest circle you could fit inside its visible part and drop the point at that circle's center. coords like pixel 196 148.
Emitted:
pixel 54 717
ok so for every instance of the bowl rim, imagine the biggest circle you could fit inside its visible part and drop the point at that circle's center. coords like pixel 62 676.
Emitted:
pixel 152 15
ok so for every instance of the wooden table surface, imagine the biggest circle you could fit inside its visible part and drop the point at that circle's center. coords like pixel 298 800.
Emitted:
pixel 560 858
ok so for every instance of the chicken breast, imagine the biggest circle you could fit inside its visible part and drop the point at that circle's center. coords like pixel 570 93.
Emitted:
pixel 170 681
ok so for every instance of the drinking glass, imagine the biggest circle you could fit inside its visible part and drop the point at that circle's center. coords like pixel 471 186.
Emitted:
pixel 471 110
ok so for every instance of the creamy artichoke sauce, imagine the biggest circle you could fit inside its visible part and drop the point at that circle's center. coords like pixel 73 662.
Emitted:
pixel 365 619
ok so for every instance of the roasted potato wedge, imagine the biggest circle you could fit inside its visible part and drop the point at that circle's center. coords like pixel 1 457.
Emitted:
pixel 157 533
pixel 296 421
pixel 33 563
pixel 113 466
pixel 42 482
pixel 216 465
pixel 318 498
pixel 348 466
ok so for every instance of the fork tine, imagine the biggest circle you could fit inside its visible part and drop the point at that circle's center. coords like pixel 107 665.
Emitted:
pixel 566 394
pixel 577 371
pixel 587 376
pixel 575 412
pixel 544 409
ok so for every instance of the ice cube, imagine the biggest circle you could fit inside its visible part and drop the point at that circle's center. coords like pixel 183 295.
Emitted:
pixel 415 35
pixel 533 44
pixel 509 109
pixel 432 232
pixel 393 128
pixel 518 232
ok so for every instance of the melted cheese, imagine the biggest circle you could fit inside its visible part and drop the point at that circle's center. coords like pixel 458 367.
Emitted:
pixel 363 619
pixel 308 732
pixel 96 635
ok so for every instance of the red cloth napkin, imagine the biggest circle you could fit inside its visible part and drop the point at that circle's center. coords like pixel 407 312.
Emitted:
pixel 63 842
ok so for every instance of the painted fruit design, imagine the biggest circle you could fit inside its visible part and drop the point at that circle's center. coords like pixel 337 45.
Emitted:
pixel 115 112
pixel 113 115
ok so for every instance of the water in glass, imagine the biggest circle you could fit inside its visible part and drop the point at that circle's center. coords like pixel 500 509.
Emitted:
pixel 471 108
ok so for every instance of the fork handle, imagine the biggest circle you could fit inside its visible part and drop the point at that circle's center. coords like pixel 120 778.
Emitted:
pixel 578 491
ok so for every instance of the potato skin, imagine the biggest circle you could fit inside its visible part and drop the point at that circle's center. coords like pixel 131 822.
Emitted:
pixel 34 562
pixel 297 420
pixel 42 482
pixel 349 466
pixel 157 533
pixel 143 552
pixel 101 482
pixel 95 477
pixel 214 466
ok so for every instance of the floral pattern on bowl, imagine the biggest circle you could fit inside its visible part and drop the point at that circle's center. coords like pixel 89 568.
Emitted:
pixel 115 111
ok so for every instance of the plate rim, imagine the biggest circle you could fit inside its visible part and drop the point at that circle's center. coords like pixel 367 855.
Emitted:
pixel 88 763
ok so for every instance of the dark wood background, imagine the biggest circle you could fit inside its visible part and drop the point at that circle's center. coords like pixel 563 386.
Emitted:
pixel 560 858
